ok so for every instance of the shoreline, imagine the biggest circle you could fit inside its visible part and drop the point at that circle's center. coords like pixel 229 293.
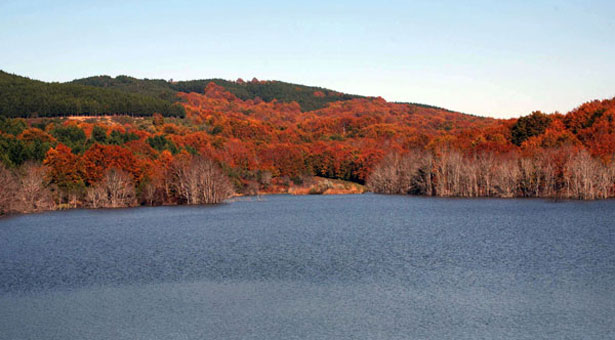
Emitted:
pixel 262 195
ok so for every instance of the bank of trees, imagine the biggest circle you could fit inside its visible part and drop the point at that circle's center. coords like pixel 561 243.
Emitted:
pixel 115 189
pixel 198 180
pixel 562 174
pixel 36 187
pixel 24 190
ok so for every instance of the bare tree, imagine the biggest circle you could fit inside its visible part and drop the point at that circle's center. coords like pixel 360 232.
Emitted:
pixel 120 187
pixel 115 190
pixel 148 193
pixel 548 175
pixel 409 173
pixel 199 181
pixel 587 178
pixel 610 177
pixel 604 182
pixel 506 177
pixel 8 185
pixel 32 194
pixel 451 174
pixel 530 176
pixel 96 196
pixel 422 172
pixel 386 178
pixel 486 167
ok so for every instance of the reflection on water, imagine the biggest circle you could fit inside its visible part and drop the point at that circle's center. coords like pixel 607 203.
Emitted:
pixel 313 267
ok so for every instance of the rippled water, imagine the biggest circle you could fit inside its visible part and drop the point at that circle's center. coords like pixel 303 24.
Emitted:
pixel 313 267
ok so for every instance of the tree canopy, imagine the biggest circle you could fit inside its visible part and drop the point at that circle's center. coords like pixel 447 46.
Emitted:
pixel 23 97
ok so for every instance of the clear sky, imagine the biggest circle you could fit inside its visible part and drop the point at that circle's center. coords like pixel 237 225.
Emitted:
pixel 493 58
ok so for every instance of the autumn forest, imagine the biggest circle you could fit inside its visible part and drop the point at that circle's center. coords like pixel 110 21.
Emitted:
pixel 117 142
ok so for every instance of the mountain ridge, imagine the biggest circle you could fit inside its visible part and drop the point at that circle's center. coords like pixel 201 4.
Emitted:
pixel 106 95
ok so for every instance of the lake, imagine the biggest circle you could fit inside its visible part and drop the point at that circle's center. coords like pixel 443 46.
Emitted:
pixel 313 267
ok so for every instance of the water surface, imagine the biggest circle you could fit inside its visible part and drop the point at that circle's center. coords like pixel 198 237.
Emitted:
pixel 313 267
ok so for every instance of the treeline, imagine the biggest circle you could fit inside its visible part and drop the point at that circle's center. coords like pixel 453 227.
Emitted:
pixel 246 90
pixel 158 88
pixel 36 187
pixel 124 95
pixel 48 165
pixel 23 97
pixel 561 174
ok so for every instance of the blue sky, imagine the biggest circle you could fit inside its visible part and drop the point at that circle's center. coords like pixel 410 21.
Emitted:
pixel 491 58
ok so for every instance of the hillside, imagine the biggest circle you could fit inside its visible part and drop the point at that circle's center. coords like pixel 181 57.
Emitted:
pixel 124 95
pixel 24 97
pixel 273 145
pixel 265 90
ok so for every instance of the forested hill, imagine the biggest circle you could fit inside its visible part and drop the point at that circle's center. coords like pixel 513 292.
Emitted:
pixel 124 95
pixel 24 97
pixel 268 146
pixel 308 97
